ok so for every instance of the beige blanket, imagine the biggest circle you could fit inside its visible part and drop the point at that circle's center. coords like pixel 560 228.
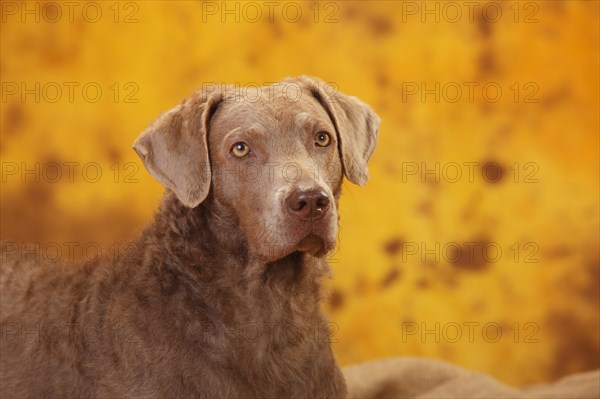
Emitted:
pixel 421 378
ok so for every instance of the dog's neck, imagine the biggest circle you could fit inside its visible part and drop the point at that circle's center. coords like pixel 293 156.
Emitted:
pixel 204 265
pixel 263 320
pixel 207 247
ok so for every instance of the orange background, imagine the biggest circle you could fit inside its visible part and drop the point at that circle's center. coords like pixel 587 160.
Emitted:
pixel 527 315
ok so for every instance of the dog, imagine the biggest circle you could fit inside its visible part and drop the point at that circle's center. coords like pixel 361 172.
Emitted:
pixel 221 298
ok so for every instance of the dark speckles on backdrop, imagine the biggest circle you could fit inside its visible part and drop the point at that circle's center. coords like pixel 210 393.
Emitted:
pixel 492 171
pixel 471 255
pixel 393 246
pixel 394 274
pixel 336 299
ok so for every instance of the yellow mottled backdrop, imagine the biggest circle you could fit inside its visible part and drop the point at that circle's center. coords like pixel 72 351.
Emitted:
pixel 476 239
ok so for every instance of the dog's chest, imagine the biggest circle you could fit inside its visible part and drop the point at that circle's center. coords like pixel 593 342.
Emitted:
pixel 255 360
pixel 280 350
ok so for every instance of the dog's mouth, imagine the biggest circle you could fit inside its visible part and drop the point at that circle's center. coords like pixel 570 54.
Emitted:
pixel 292 257
pixel 311 244
pixel 314 239
pixel 314 245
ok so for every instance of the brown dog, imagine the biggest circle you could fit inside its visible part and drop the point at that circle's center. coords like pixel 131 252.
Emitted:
pixel 222 297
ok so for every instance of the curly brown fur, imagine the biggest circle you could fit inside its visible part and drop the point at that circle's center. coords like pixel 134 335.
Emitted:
pixel 210 304
pixel 182 317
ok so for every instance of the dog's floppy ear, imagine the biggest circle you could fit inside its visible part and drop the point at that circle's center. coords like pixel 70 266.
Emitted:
pixel 356 123
pixel 174 148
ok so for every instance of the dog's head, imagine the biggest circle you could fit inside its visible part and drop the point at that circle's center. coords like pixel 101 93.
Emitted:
pixel 272 159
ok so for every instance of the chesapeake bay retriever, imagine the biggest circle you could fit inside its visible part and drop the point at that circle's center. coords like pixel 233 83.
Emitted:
pixel 222 297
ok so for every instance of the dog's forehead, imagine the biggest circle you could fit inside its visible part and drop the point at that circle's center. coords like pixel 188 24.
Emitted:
pixel 272 108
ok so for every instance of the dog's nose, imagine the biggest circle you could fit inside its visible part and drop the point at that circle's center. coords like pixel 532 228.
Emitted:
pixel 308 204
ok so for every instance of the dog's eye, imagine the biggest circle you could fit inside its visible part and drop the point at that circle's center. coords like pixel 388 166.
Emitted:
pixel 240 150
pixel 322 139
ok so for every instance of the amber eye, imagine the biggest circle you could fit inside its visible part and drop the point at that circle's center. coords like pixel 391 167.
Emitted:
pixel 240 150
pixel 322 139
